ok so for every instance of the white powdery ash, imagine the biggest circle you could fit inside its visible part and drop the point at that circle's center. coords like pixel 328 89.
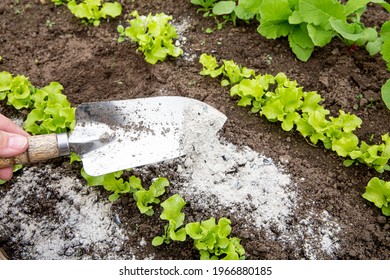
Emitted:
pixel 237 176
pixel 218 173
pixel 81 220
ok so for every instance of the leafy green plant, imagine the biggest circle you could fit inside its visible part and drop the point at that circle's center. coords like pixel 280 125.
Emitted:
pixel 50 110
pixel 92 11
pixel 175 217
pixel 18 90
pixel 280 99
pixel 154 35
pixel 378 192
pixel 145 198
pixel 51 113
pixel 114 183
pixel 206 6
pixel 213 241
pixel 229 10
pixel 313 23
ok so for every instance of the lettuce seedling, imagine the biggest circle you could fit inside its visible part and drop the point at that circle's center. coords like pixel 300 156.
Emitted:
pixel 153 34
pixel 17 90
pixel 52 112
pixel 210 66
pixel 213 241
pixel 92 11
pixel 378 192
pixel 145 198
pixel 113 182
pixel 173 214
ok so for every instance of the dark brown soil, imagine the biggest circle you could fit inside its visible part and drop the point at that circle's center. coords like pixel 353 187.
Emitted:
pixel 92 66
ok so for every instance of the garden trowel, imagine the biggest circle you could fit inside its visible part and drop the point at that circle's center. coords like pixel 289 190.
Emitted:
pixel 114 135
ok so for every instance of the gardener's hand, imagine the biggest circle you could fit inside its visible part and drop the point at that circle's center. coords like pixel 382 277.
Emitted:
pixel 13 141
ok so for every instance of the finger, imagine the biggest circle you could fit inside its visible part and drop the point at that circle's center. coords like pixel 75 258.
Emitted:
pixel 7 125
pixel 12 144
pixel 6 173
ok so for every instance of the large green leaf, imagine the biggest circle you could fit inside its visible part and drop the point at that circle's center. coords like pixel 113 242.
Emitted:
pixel 113 9
pixel 224 7
pixel 318 35
pixel 385 34
pixel 274 19
pixel 352 6
pixel 378 192
pixel 319 12
pixel 5 81
pixel 385 90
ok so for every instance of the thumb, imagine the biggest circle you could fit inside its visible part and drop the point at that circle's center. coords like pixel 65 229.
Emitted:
pixel 12 144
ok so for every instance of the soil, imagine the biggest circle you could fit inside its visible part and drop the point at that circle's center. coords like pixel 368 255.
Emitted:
pixel 314 211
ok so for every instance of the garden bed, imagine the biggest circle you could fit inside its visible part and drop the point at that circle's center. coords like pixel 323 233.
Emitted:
pixel 286 198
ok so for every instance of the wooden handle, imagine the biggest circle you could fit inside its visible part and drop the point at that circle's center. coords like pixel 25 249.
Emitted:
pixel 41 148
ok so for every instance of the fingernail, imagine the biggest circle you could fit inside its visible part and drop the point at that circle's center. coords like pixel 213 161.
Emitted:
pixel 17 142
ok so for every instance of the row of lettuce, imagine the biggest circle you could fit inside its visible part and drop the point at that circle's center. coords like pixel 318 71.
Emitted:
pixel 280 99
pixel 308 24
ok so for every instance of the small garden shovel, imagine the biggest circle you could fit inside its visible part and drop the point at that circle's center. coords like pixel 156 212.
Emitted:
pixel 114 135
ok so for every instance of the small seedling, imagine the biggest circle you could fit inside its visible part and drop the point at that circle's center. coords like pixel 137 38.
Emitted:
pixel 153 34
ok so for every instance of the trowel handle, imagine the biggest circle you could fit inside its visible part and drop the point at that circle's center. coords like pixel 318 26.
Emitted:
pixel 40 148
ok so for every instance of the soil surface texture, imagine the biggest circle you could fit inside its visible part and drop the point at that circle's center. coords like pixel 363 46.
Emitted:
pixel 286 198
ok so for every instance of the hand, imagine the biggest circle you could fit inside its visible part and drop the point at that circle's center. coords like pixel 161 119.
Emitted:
pixel 13 141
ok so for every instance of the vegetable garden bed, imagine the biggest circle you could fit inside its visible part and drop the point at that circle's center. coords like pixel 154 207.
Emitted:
pixel 286 198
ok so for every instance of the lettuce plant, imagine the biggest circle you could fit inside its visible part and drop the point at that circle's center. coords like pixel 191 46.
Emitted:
pixel 51 113
pixel 114 183
pixel 378 192
pixel 92 11
pixel 153 34
pixel 213 241
pixel 18 90
pixel 50 110
pixel 280 99
pixel 175 217
pixel 145 198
